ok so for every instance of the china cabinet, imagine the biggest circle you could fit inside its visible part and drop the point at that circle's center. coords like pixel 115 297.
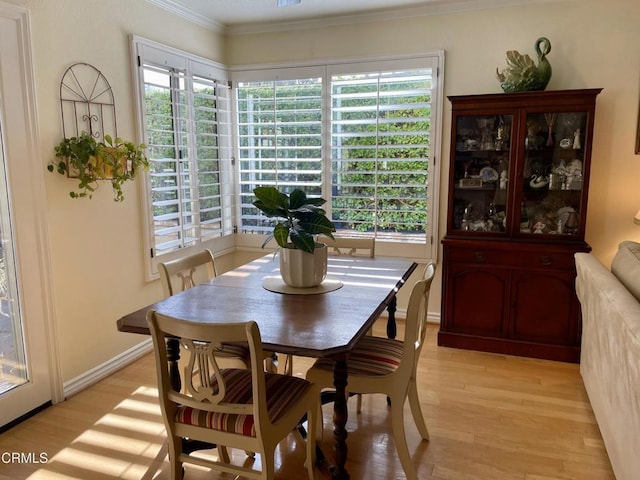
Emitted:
pixel 518 184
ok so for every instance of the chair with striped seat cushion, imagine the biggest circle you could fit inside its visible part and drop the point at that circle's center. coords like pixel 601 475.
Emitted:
pixel 382 365
pixel 371 356
pixel 282 392
pixel 249 409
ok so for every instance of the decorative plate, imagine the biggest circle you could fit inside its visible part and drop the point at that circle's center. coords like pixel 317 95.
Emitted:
pixel 488 174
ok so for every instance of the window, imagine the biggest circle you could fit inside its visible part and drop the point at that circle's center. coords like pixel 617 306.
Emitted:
pixel 362 135
pixel 185 112
pixel 371 155
pixel 380 153
pixel 279 124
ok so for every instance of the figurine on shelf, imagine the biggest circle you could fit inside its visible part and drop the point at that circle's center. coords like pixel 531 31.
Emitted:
pixel 503 179
pixel 550 118
pixel 502 136
pixel 576 140
pixel 573 175
pixel 533 140
pixel 538 227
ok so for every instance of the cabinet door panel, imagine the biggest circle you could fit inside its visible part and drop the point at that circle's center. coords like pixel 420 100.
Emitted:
pixel 542 309
pixel 479 299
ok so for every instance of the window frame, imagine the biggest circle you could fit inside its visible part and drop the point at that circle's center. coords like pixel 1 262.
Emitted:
pixel 427 251
pixel 193 65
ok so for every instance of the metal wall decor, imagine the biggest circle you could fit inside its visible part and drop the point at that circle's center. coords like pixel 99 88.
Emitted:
pixel 87 103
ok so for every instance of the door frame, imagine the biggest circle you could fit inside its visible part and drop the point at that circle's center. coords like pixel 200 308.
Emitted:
pixel 24 166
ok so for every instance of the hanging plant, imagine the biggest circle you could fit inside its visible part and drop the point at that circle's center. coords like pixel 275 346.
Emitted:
pixel 88 160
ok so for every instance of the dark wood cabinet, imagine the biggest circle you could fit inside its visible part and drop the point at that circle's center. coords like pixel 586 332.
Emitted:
pixel 518 183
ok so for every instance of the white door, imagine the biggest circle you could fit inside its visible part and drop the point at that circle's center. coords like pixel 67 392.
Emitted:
pixel 25 375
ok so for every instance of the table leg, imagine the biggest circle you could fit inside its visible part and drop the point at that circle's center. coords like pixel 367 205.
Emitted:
pixel 391 319
pixel 340 416
pixel 391 324
pixel 173 355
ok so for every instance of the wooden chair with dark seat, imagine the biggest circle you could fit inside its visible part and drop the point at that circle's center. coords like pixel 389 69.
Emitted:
pixel 386 366
pixel 245 408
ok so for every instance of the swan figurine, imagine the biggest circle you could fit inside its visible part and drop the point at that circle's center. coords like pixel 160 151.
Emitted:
pixel 538 181
pixel 522 74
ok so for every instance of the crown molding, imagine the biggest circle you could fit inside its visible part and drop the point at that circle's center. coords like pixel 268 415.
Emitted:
pixel 188 14
pixel 436 7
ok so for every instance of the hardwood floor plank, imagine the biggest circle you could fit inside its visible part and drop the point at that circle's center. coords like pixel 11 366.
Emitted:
pixel 490 417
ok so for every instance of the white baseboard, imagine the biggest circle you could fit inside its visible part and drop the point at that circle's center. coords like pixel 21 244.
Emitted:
pixel 96 374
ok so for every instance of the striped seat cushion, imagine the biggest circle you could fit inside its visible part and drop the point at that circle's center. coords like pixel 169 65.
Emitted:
pixel 281 390
pixel 371 356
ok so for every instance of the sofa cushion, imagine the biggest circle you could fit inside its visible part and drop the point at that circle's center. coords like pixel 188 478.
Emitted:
pixel 626 267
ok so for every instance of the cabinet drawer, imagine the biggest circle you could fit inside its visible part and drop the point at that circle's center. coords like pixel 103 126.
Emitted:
pixel 519 258
pixel 550 260
pixel 482 256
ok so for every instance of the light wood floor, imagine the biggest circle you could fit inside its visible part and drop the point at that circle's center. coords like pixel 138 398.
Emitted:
pixel 491 417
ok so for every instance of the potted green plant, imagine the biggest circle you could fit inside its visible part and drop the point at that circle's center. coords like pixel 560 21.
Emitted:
pixel 88 160
pixel 303 260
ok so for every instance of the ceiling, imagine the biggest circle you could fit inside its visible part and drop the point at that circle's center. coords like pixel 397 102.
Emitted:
pixel 235 13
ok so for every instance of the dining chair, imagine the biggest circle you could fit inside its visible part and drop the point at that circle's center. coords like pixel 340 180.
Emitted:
pixel 386 366
pixel 345 246
pixel 185 272
pixel 244 408
pixel 351 246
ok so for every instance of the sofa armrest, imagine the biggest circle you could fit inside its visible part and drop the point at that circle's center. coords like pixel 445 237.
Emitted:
pixel 610 361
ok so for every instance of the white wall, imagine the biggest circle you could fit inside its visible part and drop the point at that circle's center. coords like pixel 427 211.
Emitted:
pixel 96 244
pixel 594 44
pixel 96 248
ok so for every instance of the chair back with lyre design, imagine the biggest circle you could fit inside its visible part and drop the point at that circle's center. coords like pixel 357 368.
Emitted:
pixel 351 246
pixel 241 408
pixel 186 272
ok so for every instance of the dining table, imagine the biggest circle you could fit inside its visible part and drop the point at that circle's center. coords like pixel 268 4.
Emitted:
pixel 325 321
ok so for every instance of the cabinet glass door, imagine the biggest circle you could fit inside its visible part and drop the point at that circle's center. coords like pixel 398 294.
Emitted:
pixel 481 172
pixel 552 187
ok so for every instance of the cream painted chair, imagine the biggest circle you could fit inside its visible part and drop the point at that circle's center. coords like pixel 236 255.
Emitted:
pixel 382 365
pixel 188 271
pixel 245 408
pixel 351 246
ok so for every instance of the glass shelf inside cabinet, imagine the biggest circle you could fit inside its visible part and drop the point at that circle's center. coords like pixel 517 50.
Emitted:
pixel 481 173
pixel 552 183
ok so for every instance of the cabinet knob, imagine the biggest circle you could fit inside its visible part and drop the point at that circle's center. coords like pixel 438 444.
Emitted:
pixel 480 256
pixel 546 261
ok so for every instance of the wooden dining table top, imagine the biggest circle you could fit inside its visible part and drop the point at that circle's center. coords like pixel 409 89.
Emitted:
pixel 313 325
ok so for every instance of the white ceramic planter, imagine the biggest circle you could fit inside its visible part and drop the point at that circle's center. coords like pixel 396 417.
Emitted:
pixel 302 269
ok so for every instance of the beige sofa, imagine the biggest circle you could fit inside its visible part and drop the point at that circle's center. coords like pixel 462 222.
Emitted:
pixel 610 356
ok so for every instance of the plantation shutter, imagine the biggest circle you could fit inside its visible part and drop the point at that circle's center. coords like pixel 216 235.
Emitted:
pixel 186 115
pixel 380 125
pixel 279 124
